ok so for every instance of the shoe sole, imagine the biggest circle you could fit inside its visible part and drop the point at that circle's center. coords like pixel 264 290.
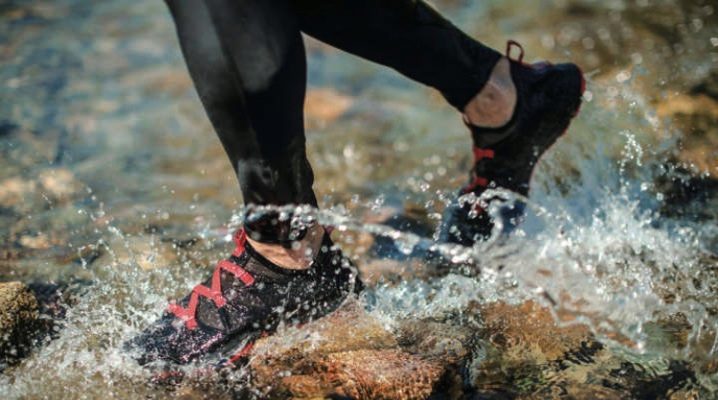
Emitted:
pixel 214 362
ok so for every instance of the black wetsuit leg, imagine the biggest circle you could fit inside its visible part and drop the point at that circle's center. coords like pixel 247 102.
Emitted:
pixel 247 61
pixel 407 35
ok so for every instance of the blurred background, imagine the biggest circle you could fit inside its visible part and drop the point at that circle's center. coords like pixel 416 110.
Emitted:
pixel 110 169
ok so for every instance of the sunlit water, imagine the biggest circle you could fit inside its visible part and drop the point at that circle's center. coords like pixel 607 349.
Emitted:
pixel 156 202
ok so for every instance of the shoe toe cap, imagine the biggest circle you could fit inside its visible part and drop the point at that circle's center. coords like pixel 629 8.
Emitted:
pixel 168 340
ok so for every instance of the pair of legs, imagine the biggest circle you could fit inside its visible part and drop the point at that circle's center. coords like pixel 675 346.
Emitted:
pixel 247 60
pixel 248 63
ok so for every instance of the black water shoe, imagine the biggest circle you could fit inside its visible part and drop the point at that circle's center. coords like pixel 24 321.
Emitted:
pixel 548 98
pixel 246 297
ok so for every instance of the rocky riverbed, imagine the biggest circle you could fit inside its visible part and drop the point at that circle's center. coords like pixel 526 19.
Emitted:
pixel 115 195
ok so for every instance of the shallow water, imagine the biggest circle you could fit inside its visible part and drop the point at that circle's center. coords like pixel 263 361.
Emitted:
pixel 111 175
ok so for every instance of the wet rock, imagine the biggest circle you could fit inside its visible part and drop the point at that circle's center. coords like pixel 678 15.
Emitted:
pixel 392 271
pixel 360 374
pixel 696 114
pixel 148 252
pixel 525 354
pixel 522 344
pixel 330 334
pixel 351 354
pixel 687 195
pixel 529 331
pixel 15 190
pixel 435 340
pixel 51 186
pixel 159 79
pixel 324 105
pixel 18 321
pixel 58 184
pixel 37 242
pixel 685 394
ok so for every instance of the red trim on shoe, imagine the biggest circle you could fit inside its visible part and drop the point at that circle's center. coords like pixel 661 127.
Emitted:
pixel 244 352
pixel 240 239
pixel 480 153
pixel 479 181
pixel 214 292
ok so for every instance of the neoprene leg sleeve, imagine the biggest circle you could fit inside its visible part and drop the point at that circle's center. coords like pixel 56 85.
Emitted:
pixel 407 35
pixel 247 61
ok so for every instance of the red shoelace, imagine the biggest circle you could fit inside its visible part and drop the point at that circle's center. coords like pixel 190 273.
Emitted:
pixel 214 292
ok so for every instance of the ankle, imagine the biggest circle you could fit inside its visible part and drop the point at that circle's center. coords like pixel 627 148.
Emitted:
pixel 299 256
pixel 494 105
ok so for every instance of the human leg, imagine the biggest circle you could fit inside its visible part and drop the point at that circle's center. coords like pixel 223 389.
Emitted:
pixel 247 63
pixel 406 35
pixel 515 111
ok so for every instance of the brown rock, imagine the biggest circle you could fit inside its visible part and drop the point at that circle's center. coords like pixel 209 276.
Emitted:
pixel 58 184
pixel 522 343
pixel 697 116
pixel 50 185
pixel 349 328
pixel 360 374
pixel 435 340
pixel 529 333
pixel 387 270
pixel 688 104
pixel 348 353
pixel 325 105
pixel 685 394
pixel 527 355
pixel 38 242
pixel 15 190
pixel 18 321
pixel 584 391
pixel 147 251
pixel 369 374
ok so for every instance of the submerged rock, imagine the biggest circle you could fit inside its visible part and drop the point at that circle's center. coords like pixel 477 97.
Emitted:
pixel 15 190
pixel 147 251
pixel 59 184
pixel 696 114
pixel 21 195
pixel 324 106
pixel 352 354
pixel 528 332
pixel 19 320
pixel 525 354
